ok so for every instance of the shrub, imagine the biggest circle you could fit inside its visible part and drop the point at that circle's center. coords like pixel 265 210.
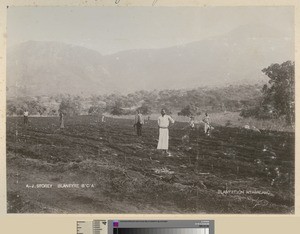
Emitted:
pixel 189 110
pixel 144 109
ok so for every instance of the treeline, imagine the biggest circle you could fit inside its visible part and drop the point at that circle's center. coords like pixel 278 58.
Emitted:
pixel 278 96
pixel 184 102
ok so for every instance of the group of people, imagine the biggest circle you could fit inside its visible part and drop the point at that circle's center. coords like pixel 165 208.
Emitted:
pixel 164 122
pixel 205 120
pixel 61 118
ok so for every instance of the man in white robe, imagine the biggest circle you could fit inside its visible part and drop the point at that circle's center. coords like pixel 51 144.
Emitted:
pixel 163 124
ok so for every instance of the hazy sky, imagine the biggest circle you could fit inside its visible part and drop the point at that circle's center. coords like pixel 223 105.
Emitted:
pixel 112 29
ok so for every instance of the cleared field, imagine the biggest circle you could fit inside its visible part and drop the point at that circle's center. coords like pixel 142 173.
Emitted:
pixel 233 171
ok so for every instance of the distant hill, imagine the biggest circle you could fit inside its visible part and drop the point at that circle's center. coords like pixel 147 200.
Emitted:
pixel 36 68
pixel 49 68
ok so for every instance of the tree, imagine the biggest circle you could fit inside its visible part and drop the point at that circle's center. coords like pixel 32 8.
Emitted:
pixel 70 106
pixel 35 107
pixel 98 107
pixel 116 109
pixel 11 108
pixel 189 110
pixel 279 95
pixel 145 109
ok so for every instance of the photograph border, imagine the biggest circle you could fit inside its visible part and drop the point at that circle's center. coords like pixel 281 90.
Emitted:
pixel 67 221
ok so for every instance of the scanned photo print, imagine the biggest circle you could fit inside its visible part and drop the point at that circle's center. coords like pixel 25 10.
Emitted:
pixel 130 110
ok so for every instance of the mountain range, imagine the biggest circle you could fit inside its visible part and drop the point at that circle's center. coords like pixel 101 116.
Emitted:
pixel 49 68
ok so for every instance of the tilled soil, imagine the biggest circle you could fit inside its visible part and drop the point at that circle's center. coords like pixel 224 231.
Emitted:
pixel 232 171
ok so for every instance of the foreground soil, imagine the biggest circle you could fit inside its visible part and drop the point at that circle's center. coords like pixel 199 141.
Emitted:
pixel 233 171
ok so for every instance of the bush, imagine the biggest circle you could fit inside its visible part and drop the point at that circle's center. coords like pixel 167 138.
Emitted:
pixel 18 106
pixel 168 111
pixel 228 123
pixel 189 110
pixel 95 110
pixel 144 109
pixel 116 110
pixel 258 112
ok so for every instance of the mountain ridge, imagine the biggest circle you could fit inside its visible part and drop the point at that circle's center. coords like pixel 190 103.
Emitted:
pixel 55 67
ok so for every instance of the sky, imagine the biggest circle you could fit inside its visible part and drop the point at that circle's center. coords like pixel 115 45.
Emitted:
pixel 112 29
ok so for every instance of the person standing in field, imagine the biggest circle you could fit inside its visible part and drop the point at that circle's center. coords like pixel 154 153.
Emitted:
pixel 192 122
pixel 163 125
pixel 206 121
pixel 61 119
pixel 26 114
pixel 103 118
pixel 138 122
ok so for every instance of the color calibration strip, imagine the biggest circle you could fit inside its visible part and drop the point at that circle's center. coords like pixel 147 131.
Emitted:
pixel 198 230
pixel 92 227
pixel 145 227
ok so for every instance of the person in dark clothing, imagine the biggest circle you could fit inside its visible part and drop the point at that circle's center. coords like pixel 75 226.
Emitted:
pixel 61 118
pixel 26 117
pixel 138 122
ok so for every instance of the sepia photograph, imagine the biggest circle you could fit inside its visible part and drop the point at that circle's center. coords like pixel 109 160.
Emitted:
pixel 150 110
